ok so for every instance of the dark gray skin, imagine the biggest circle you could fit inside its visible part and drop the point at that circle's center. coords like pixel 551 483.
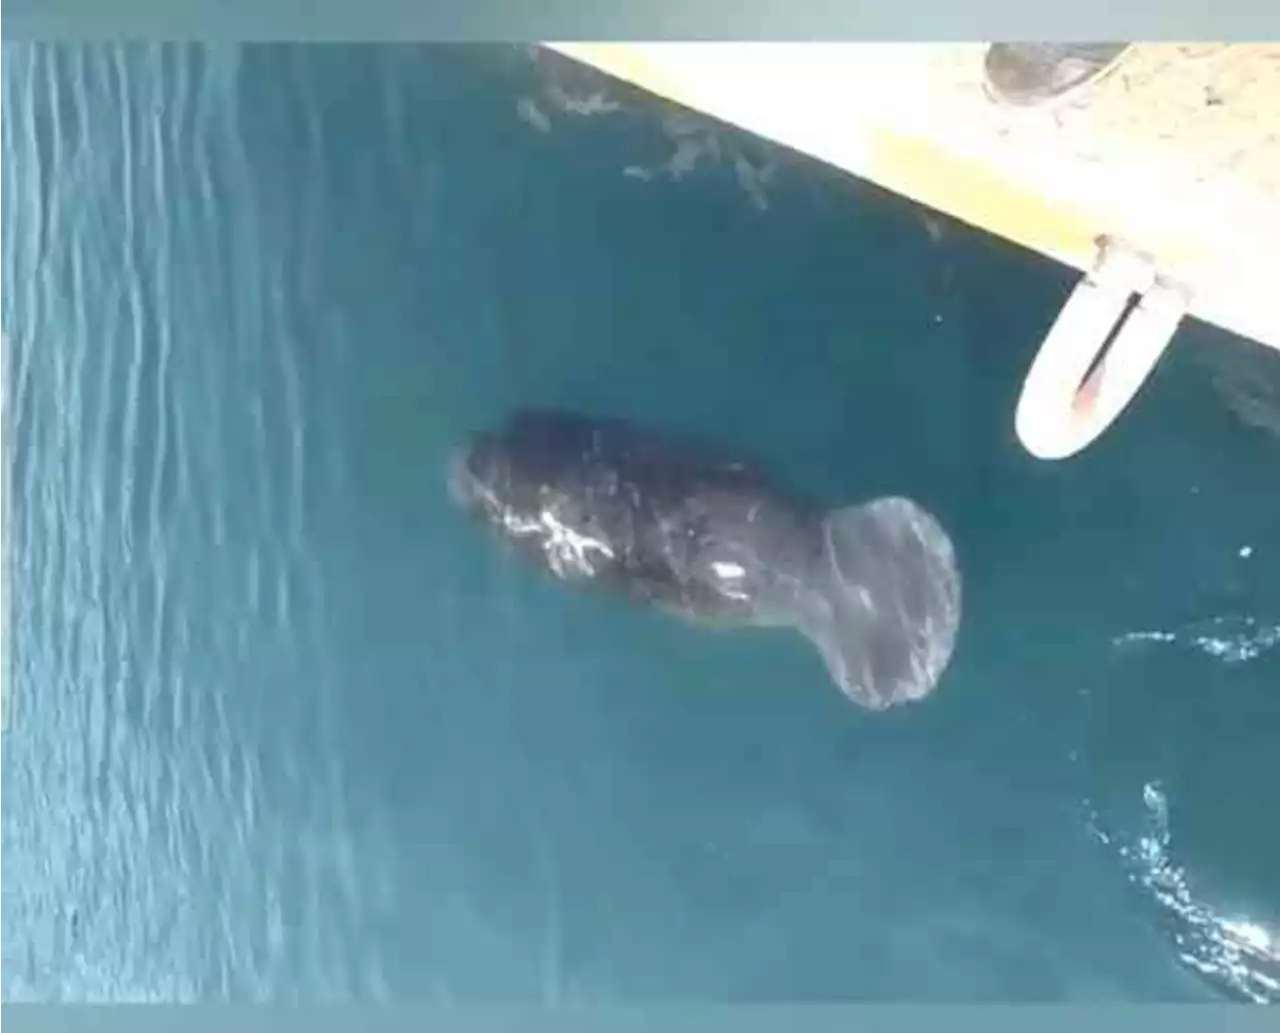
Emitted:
pixel 686 527
pixel 647 517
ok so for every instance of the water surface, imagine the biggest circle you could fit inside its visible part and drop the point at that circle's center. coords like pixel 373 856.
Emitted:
pixel 281 725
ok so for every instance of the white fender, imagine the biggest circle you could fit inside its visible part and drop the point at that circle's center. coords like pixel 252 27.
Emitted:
pixel 1064 406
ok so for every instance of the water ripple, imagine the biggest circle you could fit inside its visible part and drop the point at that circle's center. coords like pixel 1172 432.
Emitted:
pixel 175 829
pixel 1231 639
pixel 1236 952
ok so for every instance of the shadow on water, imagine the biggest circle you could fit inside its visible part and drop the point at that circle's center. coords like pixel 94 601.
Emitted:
pixel 444 776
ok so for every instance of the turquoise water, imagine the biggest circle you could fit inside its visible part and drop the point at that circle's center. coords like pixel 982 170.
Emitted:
pixel 280 725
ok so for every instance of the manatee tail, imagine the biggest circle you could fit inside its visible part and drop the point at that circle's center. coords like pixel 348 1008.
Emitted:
pixel 887 606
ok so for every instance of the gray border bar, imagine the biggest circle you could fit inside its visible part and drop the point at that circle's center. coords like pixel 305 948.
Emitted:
pixel 656 1019
pixel 8 553
pixel 507 20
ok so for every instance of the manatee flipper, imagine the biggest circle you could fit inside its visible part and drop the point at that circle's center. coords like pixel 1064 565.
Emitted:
pixel 887 609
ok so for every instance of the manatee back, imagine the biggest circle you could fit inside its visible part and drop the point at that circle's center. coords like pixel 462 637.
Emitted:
pixel 693 528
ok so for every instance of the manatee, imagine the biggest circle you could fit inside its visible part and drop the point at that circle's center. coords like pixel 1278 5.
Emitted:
pixel 694 529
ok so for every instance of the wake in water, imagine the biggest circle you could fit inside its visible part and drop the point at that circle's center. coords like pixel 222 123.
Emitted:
pixel 1230 639
pixel 1236 954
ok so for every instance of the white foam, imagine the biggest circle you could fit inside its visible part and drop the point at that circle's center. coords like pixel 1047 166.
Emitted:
pixel 1238 953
